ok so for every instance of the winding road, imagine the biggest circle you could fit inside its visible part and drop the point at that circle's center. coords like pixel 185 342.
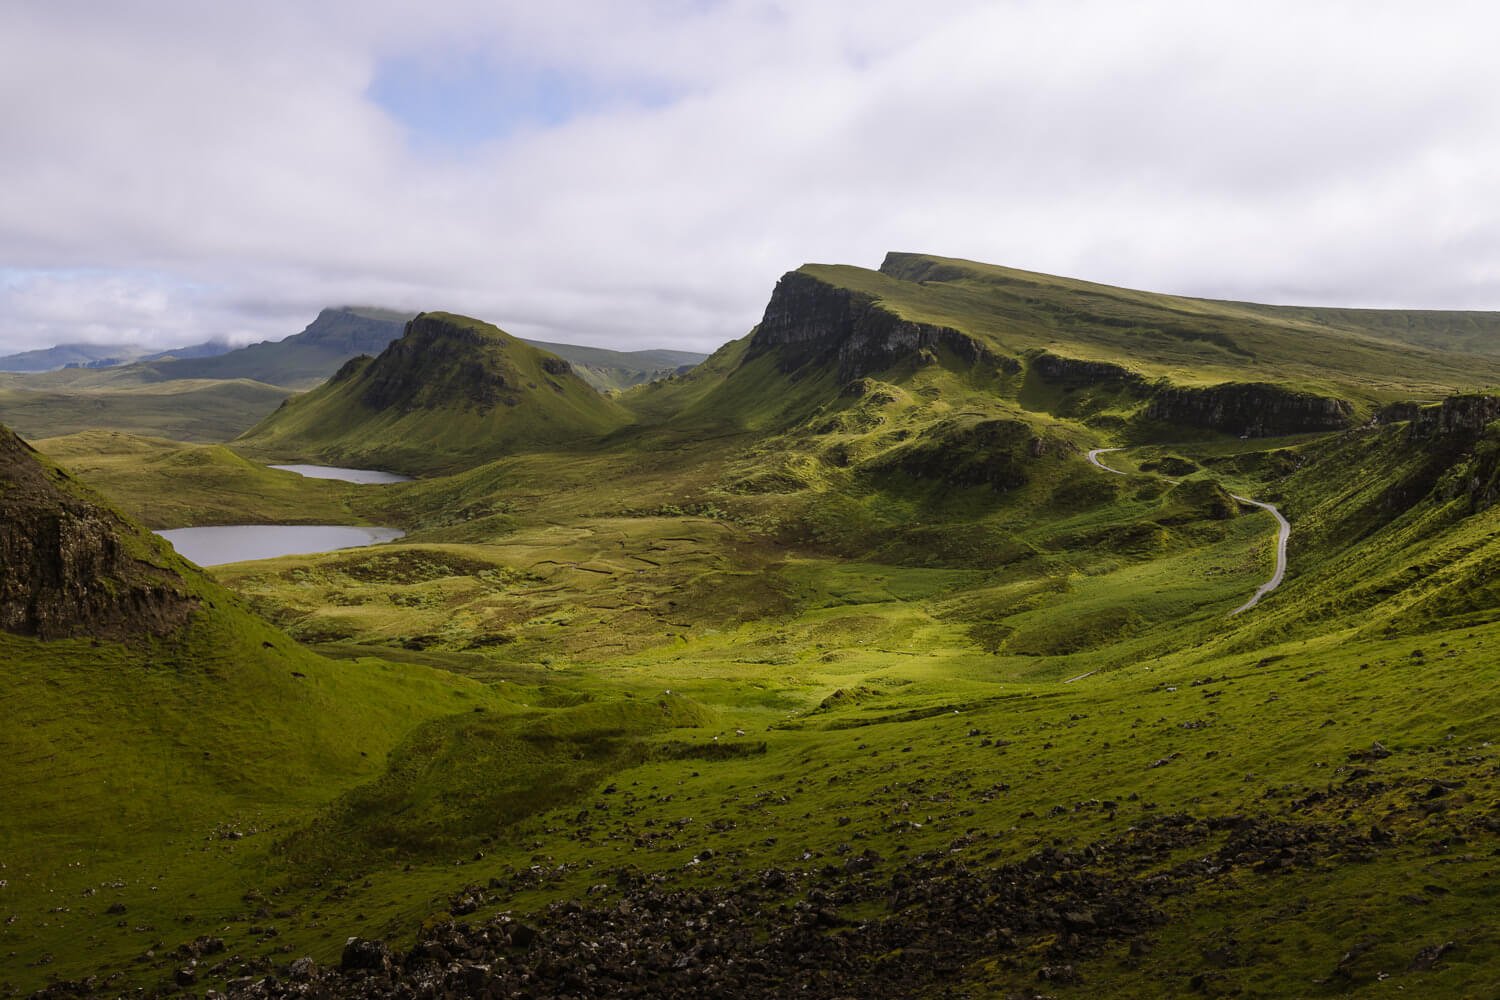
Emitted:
pixel 1283 533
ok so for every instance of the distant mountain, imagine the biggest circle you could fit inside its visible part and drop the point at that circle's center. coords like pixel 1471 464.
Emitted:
pixel 607 370
pixel 65 355
pixel 452 392
pixel 302 360
pixel 207 349
pixel 102 356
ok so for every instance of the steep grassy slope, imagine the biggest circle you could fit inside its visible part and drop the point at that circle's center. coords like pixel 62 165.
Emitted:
pixel 451 392
pixel 151 723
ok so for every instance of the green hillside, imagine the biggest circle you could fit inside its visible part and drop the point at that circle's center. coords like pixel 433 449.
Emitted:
pixel 158 734
pixel 452 392
pixel 835 666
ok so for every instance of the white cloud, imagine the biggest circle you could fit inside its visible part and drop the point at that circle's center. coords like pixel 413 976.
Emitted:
pixel 180 170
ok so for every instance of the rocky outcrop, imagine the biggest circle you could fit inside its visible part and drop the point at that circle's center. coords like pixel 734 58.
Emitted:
pixel 438 363
pixel 993 453
pixel 809 322
pixel 70 566
pixel 1250 409
pixel 1396 413
pixel 1457 416
pixel 1074 371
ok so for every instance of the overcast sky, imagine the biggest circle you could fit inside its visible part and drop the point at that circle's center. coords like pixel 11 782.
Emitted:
pixel 637 174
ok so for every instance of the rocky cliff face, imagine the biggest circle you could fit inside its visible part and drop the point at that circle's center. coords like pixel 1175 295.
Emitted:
pixel 808 322
pixel 1254 409
pixel 1456 416
pixel 1461 437
pixel 1074 371
pixel 72 567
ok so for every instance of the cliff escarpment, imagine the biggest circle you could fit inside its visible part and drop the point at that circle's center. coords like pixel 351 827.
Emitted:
pixel 1464 417
pixel 1251 409
pixel 71 567
pixel 1463 431
pixel 809 322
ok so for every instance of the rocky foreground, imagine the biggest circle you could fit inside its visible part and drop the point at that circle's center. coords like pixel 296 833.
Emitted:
pixel 865 927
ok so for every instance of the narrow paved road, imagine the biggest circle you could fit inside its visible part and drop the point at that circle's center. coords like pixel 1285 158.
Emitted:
pixel 1283 534
pixel 1094 457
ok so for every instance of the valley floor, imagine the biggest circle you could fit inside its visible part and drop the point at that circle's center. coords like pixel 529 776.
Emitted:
pixel 587 732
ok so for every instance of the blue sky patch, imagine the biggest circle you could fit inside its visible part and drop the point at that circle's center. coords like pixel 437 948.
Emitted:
pixel 461 99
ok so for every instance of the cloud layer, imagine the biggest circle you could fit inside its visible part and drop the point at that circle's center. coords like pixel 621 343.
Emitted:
pixel 640 174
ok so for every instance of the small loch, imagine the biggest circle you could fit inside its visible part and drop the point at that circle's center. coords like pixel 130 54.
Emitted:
pixel 365 476
pixel 230 543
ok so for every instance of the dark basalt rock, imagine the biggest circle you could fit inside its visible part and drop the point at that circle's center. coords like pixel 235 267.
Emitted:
pixel 1457 417
pixel 811 323
pixel 69 565
pixel 866 930
pixel 1251 409
pixel 1074 371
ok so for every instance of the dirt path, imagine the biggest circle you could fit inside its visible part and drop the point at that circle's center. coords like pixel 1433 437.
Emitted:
pixel 1283 533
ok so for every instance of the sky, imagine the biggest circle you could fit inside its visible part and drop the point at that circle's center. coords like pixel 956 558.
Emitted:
pixel 639 174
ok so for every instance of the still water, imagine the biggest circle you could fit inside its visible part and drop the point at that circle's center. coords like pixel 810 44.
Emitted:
pixel 241 542
pixel 347 475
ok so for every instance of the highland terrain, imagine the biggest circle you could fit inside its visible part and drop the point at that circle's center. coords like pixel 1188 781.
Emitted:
pixel 831 666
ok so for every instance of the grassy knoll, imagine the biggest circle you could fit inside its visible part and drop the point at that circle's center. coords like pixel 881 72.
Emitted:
pixel 452 392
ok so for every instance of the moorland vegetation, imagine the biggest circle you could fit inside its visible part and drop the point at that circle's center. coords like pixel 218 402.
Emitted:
pixel 828 667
